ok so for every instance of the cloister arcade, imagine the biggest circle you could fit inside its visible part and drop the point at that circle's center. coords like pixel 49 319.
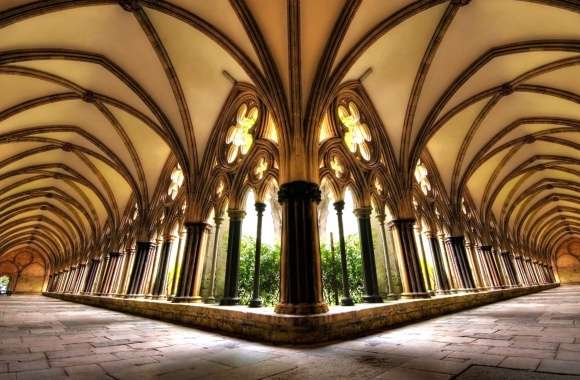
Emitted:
pixel 142 140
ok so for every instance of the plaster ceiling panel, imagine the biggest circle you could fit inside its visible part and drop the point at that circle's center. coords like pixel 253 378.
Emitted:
pixel 503 69
pixel 120 188
pixel 516 106
pixel 477 183
pixel 446 142
pixel 221 15
pixel 73 112
pixel 107 30
pixel 151 150
pixel 199 63
pixel 368 15
pixel 489 24
pixel 17 89
pixel 52 202
pixel 317 21
pixel 560 79
pixel 92 77
pixel 394 60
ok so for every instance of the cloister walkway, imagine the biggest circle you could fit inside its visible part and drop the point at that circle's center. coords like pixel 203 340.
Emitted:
pixel 531 337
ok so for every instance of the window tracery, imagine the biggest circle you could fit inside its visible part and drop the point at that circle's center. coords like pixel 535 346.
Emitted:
pixel 357 135
pixel 422 177
pixel 177 179
pixel 238 136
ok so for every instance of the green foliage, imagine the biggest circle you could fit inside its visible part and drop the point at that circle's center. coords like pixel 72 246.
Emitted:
pixel 332 274
pixel 269 272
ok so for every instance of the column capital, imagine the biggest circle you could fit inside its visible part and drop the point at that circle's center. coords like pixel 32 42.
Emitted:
pixel 236 214
pixel 363 212
pixel 299 190
pixel 260 207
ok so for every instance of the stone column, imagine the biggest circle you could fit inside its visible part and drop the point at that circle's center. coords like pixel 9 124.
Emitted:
pixel 136 281
pixel 368 255
pixel 441 278
pixel 409 267
pixel 390 295
pixel 231 281
pixel 89 277
pixel 492 269
pixel 124 277
pixel 458 248
pixel 521 275
pixel 117 271
pixel 472 257
pixel 300 275
pixel 256 301
pixel 423 259
pixel 178 261
pixel 192 264
pixel 161 276
pixel 214 259
pixel 346 299
pixel 151 269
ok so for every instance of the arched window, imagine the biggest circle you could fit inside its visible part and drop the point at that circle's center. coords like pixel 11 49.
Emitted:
pixel 422 177
pixel 239 137
pixel 176 182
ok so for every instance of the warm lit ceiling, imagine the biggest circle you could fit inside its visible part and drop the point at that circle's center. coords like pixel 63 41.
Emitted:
pixel 95 95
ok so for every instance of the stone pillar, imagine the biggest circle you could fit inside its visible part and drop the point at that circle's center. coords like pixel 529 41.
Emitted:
pixel 117 272
pixel 346 299
pixel 423 259
pixel 474 263
pixel 256 301
pixel 452 275
pixel 161 276
pixel 192 264
pixel 381 220
pixel 90 275
pixel 492 269
pixel 458 248
pixel 231 281
pixel 521 275
pixel 441 278
pixel 136 281
pixel 125 272
pixel 409 267
pixel 178 261
pixel 300 275
pixel 510 268
pixel 151 269
pixel 368 255
pixel 214 259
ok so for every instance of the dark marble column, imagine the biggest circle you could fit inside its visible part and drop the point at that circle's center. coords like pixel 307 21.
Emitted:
pixel 192 262
pixel 231 281
pixel 137 278
pixel 476 267
pixel 90 276
pixel 346 300
pixel 161 277
pixel 256 301
pixel 458 248
pixel 423 259
pixel 363 216
pixel 410 269
pixel 443 286
pixel 125 272
pixel 510 268
pixel 300 275
pixel 214 258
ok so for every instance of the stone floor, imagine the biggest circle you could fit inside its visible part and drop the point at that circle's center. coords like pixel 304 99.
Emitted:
pixel 531 337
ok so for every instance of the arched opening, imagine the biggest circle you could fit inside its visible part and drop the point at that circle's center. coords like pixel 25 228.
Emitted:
pixel 4 284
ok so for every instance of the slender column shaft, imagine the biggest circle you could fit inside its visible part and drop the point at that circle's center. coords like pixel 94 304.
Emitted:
pixel 472 254
pixel 178 262
pixel 346 299
pixel 214 259
pixel 231 281
pixel 409 267
pixel 390 294
pixel 192 264
pixel 422 258
pixel 256 301
pixel 136 281
pixel 368 255
pixel 492 269
pixel 458 248
pixel 161 275
pixel 300 275
pixel 441 276
pixel 124 279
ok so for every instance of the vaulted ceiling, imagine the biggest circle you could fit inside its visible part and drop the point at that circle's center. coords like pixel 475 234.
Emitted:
pixel 96 95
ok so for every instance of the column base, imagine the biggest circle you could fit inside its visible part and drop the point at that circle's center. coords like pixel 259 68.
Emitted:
pixel 443 292
pixel 134 296
pixel 301 309
pixel 210 300
pixel 346 301
pixel 228 301
pixel 255 303
pixel 391 297
pixel 372 299
pixel 196 299
pixel 415 295
pixel 159 297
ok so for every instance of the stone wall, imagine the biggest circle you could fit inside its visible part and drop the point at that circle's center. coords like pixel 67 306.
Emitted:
pixel 568 262
pixel 264 325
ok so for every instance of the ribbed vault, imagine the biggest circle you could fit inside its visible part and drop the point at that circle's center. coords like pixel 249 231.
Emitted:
pixel 101 95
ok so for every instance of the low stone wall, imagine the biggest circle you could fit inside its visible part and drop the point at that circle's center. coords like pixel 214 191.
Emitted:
pixel 266 326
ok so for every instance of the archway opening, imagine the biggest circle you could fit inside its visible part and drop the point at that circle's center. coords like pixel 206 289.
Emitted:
pixel 4 284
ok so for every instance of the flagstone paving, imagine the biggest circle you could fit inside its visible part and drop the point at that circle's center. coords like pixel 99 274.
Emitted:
pixel 531 337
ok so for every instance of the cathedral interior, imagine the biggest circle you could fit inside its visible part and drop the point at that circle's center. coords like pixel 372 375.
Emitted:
pixel 290 189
